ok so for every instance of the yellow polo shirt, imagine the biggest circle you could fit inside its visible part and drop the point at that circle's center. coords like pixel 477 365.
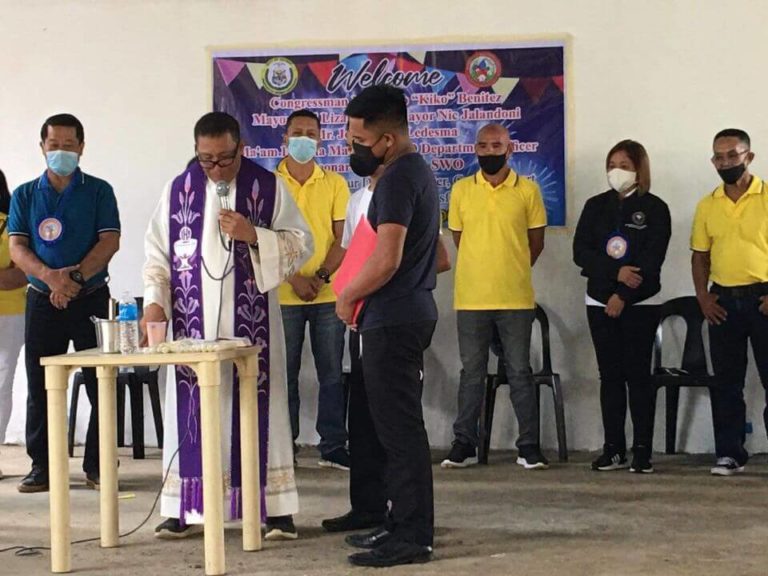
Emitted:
pixel 322 200
pixel 493 269
pixel 735 234
pixel 11 301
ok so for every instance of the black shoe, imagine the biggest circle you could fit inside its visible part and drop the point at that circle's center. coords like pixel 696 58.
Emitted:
pixel 369 540
pixel 531 458
pixel 92 480
pixel 171 529
pixel 609 460
pixel 35 481
pixel 641 461
pixel 393 553
pixel 353 521
pixel 338 459
pixel 280 528
pixel 461 456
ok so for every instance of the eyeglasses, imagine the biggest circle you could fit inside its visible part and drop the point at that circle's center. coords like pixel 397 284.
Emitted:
pixel 731 158
pixel 223 162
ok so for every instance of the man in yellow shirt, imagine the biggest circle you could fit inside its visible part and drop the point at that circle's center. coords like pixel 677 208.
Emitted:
pixel 498 221
pixel 730 248
pixel 307 297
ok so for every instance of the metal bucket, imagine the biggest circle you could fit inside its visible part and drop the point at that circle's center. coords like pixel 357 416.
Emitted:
pixel 107 335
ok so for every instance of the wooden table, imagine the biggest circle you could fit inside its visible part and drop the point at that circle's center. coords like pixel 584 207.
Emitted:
pixel 207 367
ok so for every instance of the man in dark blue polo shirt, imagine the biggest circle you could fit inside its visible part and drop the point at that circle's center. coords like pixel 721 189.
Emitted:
pixel 64 228
pixel 398 318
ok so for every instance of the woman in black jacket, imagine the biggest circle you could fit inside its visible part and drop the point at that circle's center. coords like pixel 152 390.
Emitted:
pixel 620 244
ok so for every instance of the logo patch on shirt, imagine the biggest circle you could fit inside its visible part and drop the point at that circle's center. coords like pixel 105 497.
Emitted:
pixel 616 247
pixel 638 221
pixel 50 229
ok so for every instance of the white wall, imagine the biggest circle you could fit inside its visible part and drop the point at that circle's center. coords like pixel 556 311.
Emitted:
pixel 669 73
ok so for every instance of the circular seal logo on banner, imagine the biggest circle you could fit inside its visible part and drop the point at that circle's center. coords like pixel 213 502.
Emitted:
pixel 616 247
pixel 638 218
pixel 483 69
pixel 280 76
pixel 50 229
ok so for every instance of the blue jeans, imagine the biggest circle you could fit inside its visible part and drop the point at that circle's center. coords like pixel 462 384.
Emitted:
pixel 326 335
pixel 728 343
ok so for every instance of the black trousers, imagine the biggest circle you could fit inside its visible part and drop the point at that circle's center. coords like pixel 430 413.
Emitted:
pixel 368 460
pixel 393 369
pixel 728 343
pixel 48 332
pixel 624 348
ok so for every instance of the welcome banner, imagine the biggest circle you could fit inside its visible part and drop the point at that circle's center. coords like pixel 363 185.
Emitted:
pixel 452 90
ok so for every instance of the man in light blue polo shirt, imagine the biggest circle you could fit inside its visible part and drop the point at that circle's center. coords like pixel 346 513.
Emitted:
pixel 64 228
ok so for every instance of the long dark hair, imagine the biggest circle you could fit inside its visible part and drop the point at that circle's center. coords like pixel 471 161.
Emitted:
pixel 5 195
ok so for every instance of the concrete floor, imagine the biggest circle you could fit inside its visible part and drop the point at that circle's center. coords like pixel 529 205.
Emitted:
pixel 494 520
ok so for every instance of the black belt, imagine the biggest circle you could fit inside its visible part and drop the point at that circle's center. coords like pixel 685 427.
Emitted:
pixel 753 290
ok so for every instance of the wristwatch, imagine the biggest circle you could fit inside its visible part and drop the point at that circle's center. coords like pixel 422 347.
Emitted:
pixel 77 276
pixel 324 275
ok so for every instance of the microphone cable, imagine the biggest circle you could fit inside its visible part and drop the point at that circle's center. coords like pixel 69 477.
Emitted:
pixel 27 551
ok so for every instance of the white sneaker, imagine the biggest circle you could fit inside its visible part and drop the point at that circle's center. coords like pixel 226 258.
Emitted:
pixel 726 466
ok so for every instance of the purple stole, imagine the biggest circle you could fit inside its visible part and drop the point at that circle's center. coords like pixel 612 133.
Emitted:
pixel 255 198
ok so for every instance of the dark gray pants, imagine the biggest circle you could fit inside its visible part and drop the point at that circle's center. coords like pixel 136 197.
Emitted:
pixel 475 329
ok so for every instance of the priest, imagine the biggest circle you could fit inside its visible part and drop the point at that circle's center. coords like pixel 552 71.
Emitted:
pixel 224 235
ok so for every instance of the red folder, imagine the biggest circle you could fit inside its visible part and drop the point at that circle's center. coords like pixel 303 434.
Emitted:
pixel 360 249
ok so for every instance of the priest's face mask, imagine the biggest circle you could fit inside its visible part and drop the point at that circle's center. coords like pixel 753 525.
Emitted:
pixel 219 156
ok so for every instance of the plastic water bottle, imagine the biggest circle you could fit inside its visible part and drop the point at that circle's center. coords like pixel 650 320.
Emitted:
pixel 128 320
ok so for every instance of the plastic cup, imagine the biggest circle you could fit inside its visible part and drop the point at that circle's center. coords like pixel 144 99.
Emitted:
pixel 156 333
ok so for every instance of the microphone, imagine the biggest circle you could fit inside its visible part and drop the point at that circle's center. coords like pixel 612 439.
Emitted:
pixel 222 191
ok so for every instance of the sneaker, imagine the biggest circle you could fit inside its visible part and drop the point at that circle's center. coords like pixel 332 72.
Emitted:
pixel 461 456
pixel 280 528
pixel 726 466
pixel 35 481
pixel 353 520
pixel 610 461
pixel 641 463
pixel 531 458
pixel 393 553
pixel 171 529
pixel 338 459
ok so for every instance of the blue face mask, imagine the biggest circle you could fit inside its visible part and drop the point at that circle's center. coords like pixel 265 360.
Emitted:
pixel 302 148
pixel 62 162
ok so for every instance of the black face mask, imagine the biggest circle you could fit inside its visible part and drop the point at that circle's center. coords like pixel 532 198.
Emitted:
pixel 362 161
pixel 492 164
pixel 731 175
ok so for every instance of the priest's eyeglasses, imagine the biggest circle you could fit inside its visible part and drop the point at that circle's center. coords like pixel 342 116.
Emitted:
pixel 222 162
